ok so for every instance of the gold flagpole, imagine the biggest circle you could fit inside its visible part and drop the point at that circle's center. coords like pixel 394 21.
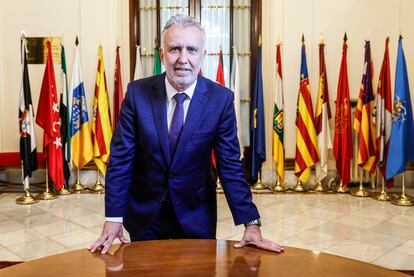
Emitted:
pixel 361 192
pixel 403 200
pixel 383 195
pixel 47 195
pixel 278 187
pixel 98 187
pixel 27 198
pixel 65 191
pixel 78 187
pixel 259 185
pixel 299 187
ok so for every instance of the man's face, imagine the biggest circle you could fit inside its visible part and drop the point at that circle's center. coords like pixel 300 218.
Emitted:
pixel 182 54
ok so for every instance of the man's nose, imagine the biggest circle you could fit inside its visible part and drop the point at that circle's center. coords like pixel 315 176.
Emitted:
pixel 183 57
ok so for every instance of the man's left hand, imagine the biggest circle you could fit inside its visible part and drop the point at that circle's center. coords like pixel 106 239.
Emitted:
pixel 253 236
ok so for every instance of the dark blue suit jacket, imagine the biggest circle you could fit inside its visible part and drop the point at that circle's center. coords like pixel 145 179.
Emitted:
pixel 141 170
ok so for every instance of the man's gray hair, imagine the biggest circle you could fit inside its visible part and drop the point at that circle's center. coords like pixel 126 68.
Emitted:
pixel 183 21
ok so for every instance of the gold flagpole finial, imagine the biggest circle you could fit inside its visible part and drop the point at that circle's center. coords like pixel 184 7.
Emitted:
pixel 260 40
pixel 321 39
pixel 303 38
pixel 76 41
pixel 345 37
pixel 278 40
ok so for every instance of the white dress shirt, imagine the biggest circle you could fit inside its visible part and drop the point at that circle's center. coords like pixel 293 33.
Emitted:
pixel 170 105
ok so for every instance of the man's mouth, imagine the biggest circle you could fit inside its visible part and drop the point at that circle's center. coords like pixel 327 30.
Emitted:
pixel 179 69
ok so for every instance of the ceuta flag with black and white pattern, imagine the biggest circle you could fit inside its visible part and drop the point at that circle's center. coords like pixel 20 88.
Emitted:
pixel 28 153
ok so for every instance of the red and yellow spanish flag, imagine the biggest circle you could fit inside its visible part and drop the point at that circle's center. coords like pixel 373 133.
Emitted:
pixel 364 124
pixel 278 129
pixel 307 153
pixel 101 124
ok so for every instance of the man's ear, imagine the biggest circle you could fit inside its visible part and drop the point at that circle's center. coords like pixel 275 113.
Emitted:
pixel 161 51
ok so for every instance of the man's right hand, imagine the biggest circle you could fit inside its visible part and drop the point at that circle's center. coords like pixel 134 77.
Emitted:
pixel 111 231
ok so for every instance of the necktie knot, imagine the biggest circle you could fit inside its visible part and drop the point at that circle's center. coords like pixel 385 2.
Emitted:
pixel 180 98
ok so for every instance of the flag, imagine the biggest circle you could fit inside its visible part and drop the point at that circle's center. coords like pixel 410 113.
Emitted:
pixel 257 126
pixel 118 91
pixel 101 124
pixel 235 87
pixel 343 133
pixel 28 152
pixel 384 112
pixel 364 125
pixel 306 141
pixel 64 117
pixel 49 120
pixel 138 64
pixel 278 113
pixel 322 117
pixel 157 62
pixel 81 139
pixel 402 129
pixel 220 71
pixel 220 80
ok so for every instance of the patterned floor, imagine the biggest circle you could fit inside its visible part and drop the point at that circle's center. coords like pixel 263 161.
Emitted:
pixel 358 228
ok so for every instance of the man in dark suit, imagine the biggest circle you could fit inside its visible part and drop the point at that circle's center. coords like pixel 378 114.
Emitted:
pixel 158 182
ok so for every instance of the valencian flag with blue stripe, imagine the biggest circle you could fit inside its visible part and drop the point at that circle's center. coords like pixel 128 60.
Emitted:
pixel 402 129
pixel 307 153
pixel 364 125
pixel 257 126
pixel 81 138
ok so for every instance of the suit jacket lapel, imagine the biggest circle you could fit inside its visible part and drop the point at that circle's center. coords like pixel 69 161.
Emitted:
pixel 195 110
pixel 158 100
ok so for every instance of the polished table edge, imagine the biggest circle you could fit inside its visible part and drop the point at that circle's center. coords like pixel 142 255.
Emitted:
pixel 250 250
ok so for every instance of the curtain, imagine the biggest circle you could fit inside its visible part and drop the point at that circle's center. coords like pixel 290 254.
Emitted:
pixel 148 31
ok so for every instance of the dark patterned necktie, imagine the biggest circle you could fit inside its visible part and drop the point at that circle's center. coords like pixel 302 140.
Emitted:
pixel 177 121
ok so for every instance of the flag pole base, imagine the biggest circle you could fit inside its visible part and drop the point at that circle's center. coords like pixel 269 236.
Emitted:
pixel 319 187
pixel 361 192
pixel 26 199
pixel 299 187
pixel 403 201
pixel 278 187
pixel 47 195
pixel 78 187
pixel 98 188
pixel 219 187
pixel 341 188
pixel 65 191
pixel 259 185
pixel 381 196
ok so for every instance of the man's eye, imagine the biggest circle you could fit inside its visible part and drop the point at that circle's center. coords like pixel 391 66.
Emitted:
pixel 192 50
pixel 174 50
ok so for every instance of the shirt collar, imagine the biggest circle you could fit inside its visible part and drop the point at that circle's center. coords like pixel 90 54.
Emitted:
pixel 172 91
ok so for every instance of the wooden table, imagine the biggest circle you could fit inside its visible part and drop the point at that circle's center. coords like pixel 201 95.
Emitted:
pixel 195 258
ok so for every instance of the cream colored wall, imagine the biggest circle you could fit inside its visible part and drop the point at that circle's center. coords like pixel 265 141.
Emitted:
pixel 367 19
pixel 94 21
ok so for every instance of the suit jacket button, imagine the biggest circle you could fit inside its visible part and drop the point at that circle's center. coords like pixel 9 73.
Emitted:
pixel 171 176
